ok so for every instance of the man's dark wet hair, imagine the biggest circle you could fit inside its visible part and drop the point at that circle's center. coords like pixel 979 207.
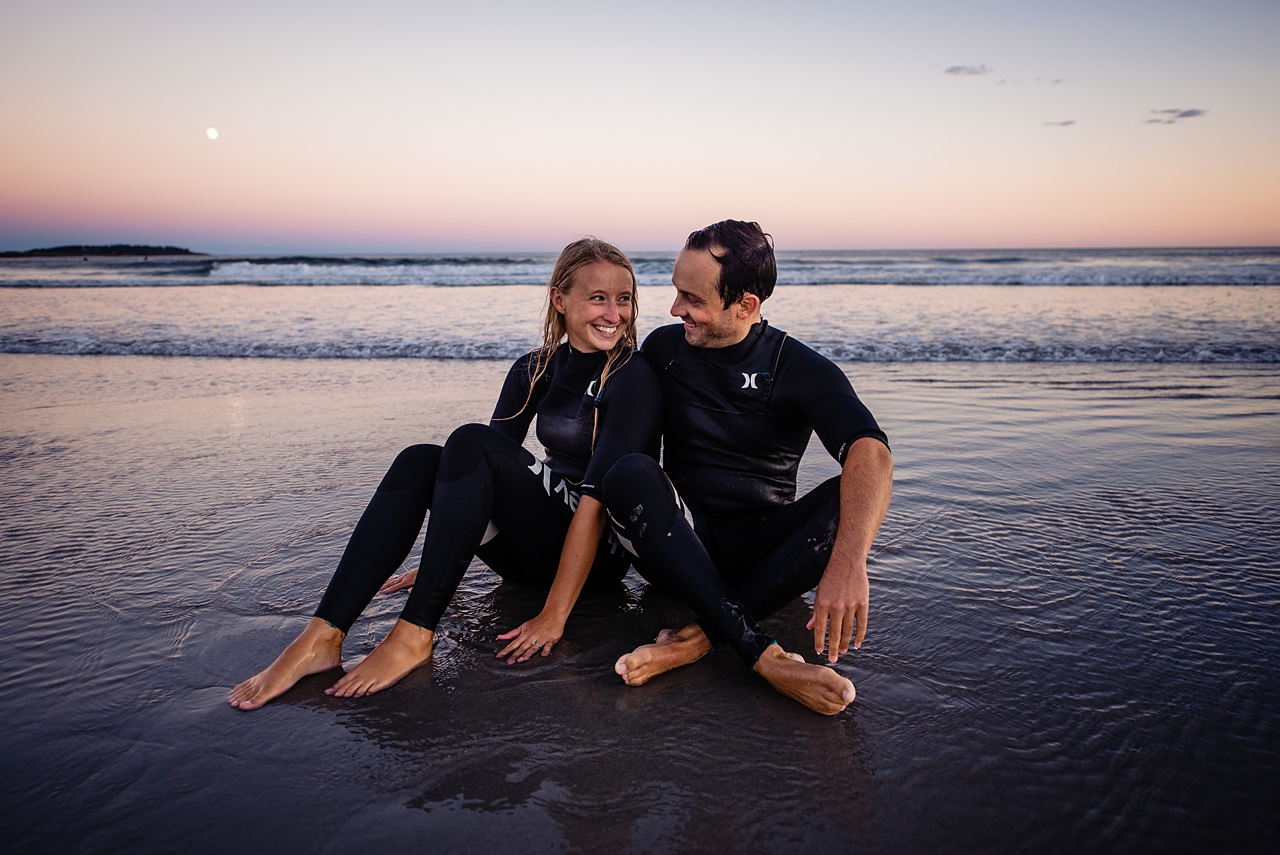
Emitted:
pixel 745 254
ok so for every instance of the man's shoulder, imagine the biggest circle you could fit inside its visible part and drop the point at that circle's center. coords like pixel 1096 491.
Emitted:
pixel 667 336
pixel 794 350
pixel 661 344
pixel 798 360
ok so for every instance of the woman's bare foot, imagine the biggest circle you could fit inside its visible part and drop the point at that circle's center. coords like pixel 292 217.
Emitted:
pixel 318 648
pixel 818 688
pixel 406 647
pixel 672 649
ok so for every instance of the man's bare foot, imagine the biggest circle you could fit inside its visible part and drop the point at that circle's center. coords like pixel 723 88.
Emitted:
pixel 406 647
pixel 818 688
pixel 318 648
pixel 672 649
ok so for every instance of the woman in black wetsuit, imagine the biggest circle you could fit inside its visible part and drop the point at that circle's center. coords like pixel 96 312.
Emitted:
pixel 535 522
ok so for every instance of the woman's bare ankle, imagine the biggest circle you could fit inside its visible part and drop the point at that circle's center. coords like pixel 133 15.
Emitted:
pixel 321 630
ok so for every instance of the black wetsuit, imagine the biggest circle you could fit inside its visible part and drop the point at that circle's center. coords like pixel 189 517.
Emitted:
pixel 736 421
pixel 484 478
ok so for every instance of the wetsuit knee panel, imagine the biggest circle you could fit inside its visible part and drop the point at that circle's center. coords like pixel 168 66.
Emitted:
pixel 415 463
pixel 639 497
pixel 466 447
pixel 823 518
pixel 632 475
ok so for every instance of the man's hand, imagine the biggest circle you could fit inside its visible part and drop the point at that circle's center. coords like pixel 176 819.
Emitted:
pixel 866 485
pixel 841 601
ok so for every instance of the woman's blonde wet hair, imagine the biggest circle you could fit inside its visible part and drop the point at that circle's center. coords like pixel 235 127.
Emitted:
pixel 574 257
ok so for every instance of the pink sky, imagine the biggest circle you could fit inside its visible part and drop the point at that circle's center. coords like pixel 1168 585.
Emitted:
pixel 408 127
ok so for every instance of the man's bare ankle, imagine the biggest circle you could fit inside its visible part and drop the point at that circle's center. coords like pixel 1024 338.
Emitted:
pixel 771 655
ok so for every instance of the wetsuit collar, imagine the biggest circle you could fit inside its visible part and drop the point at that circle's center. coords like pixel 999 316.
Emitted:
pixel 734 352
pixel 573 351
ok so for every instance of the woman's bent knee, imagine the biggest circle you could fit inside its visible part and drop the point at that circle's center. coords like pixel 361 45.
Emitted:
pixel 411 465
pixel 629 476
pixel 467 446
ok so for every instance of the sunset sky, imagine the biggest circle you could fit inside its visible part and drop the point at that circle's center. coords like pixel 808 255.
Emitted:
pixel 418 127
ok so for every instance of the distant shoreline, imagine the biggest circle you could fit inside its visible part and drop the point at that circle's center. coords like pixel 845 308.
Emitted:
pixel 115 249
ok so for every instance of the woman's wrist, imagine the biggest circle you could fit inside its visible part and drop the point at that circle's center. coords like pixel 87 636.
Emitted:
pixel 556 613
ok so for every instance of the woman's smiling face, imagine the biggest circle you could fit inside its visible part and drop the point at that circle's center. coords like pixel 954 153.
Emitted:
pixel 597 307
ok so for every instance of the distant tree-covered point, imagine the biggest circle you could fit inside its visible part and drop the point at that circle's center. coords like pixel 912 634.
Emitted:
pixel 111 249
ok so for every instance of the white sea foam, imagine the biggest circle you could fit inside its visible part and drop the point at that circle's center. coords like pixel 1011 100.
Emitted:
pixel 914 267
pixel 847 323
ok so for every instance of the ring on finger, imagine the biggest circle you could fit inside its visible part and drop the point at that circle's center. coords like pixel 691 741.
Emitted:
pixel 535 644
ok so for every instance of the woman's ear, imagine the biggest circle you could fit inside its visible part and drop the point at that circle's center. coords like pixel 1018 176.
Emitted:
pixel 557 300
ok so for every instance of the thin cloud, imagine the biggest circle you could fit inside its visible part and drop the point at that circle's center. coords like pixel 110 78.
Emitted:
pixel 965 70
pixel 1047 81
pixel 1168 117
pixel 1065 124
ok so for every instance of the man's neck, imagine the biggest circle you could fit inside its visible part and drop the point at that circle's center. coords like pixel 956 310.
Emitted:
pixel 739 337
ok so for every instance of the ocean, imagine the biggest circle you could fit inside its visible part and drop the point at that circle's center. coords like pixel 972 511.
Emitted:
pixel 1072 636
pixel 1029 306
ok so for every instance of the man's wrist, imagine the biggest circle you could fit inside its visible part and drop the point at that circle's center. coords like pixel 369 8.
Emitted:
pixel 849 569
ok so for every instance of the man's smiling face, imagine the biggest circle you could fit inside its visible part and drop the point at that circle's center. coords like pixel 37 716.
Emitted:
pixel 707 323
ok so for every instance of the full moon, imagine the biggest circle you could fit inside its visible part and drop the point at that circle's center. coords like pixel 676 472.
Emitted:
pixel 211 133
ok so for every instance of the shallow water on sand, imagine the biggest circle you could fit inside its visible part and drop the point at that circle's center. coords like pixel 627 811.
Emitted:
pixel 1071 641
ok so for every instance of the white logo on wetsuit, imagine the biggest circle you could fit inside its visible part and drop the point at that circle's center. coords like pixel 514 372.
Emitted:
pixel 749 380
pixel 555 485
pixel 591 388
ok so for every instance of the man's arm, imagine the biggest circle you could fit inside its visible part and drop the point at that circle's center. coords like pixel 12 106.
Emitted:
pixel 866 485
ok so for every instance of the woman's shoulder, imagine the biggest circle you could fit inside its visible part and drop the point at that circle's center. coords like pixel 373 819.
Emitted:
pixel 526 367
pixel 634 373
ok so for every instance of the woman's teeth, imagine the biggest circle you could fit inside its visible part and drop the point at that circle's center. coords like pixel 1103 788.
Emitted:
pixel 606 330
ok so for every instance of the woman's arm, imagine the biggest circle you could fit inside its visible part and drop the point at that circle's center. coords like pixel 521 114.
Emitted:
pixel 629 423
pixel 580 544
pixel 517 402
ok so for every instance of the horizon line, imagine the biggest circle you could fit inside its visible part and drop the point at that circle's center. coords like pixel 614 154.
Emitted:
pixel 297 252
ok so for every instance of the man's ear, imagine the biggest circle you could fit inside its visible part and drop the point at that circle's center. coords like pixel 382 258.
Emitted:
pixel 747 306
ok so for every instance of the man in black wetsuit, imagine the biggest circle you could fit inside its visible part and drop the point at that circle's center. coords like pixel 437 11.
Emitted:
pixel 719 524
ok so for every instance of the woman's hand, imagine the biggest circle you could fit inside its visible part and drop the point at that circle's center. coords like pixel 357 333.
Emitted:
pixel 540 633
pixel 402 580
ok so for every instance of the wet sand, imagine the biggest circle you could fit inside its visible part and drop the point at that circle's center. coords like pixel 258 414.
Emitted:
pixel 1071 641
